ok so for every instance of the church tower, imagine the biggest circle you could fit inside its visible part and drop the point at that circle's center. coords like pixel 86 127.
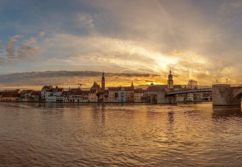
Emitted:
pixel 132 85
pixel 103 82
pixel 170 81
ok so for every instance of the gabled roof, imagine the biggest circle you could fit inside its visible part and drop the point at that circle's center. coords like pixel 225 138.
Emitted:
pixel 95 86
pixel 26 91
pixel 11 94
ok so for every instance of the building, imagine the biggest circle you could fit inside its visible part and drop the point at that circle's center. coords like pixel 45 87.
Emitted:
pixel 113 94
pixel 93 95
pixel 105 96
pixel 12 95
pixel 138 95
pixel 25 95
pixel 153 93
pixel 170 82
pixel 79 96
pixel 35 96
pixel 54 95
pixel 44 90
pixel 122 95
pixel 130 93
pixel 84 96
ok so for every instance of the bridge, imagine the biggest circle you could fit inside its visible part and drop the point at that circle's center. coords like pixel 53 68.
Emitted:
pixel 227 95
pixel 222 94
pixel 185 90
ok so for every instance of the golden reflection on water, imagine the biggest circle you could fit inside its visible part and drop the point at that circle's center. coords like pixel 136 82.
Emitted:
pixel 119 135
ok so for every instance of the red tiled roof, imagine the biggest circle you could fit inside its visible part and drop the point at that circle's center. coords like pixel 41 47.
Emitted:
pixel 156 88
pixel 113 88
pixel 138 90
pixel 128 88
pixel 11 94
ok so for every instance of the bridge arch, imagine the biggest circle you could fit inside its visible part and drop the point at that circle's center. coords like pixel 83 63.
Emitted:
pixel 237 97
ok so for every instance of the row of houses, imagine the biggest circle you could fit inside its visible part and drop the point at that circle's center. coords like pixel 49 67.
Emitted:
pixel 95 94
pixel 20 95
pixel 152 94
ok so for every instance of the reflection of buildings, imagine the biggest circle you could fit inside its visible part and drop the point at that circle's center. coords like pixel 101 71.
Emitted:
pixel 171 121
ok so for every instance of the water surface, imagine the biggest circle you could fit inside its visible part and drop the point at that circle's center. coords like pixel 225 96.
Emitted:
pixel 72 135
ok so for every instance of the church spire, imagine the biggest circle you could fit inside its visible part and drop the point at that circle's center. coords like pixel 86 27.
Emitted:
pixel 103 81
pixel 132 84
pixel 170 80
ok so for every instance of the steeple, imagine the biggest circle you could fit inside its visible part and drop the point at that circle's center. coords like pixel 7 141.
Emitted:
pixel 132 84
pixel 170 80
pixel 103 82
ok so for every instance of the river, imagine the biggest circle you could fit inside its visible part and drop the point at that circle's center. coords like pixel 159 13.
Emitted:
pixel 33 134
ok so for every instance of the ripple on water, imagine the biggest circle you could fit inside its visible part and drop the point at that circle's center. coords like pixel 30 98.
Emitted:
pixel 119 135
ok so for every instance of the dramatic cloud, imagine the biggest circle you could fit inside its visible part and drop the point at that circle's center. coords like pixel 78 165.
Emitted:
pixel 72 78
pixel 195 39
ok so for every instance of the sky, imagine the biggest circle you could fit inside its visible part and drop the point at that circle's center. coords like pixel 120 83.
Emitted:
pixel 67 42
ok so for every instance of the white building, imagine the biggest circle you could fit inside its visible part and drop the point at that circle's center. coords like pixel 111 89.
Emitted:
pixel 122 95
pixel 54 95
pixel 44 90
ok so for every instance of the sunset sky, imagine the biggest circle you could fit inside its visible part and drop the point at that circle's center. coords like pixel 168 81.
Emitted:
pixel 66 42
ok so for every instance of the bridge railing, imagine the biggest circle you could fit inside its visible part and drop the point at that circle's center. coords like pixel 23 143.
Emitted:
pixel 188 89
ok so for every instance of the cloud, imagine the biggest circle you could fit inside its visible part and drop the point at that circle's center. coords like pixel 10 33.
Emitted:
pixel 10 46
pixel 191 38
pixel 41 34
pixel 70 78
pixel 19 50
pixel 236 5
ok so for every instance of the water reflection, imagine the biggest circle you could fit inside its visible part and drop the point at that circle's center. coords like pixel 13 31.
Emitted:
pixel 225 111
pixel 50 134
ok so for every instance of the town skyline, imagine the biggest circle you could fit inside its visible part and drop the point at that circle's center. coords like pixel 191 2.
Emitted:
pixel 101 93
pixel 84 79
pixel 197 40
